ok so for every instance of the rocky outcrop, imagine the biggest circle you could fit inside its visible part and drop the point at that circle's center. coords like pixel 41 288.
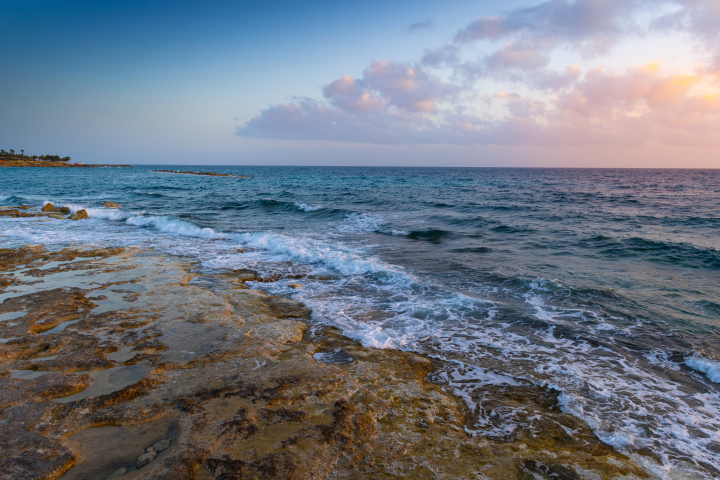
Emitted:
pixel 49 207
pixel 79 215
pixel 111 205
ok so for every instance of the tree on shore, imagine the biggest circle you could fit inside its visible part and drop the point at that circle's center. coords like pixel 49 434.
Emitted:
pixel 11 155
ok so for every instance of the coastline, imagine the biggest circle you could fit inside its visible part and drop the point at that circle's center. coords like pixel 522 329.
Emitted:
pixel 47 164
pixel 106 352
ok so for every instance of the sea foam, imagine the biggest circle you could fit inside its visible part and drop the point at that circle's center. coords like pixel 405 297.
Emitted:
pixel 306 208
pixel 708 367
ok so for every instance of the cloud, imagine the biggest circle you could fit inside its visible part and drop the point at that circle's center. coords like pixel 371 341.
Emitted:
pixel 446 55
pixel 638 107
pixel 407 87
pixel 418 26
pixel 518 55
pixel 544 104
pixel 590 24
pixel 352 95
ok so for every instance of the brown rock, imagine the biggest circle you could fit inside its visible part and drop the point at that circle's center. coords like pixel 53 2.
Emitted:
pixel 49 207
pixel 9 213
pixel 25 207
pixel 111 205
pixel 64 210
pixel 79 215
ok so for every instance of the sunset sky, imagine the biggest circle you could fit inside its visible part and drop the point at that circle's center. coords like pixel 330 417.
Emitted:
pixel 589 83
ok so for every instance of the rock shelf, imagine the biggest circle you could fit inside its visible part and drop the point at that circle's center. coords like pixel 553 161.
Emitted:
pixel 230 383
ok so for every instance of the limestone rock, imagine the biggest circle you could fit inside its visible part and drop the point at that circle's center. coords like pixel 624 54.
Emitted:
pixel 9 213
pixel 79 215
pixel 111 205
pixel 295 285
pixel 64 210
pixel 49 207
pixel 24 207
pixel 145 458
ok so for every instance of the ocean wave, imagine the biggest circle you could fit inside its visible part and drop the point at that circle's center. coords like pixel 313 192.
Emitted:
pixel 306 208
pixel 12 199
pixel 676 253
pixel 175 227
pixel 311 251
pixel 706 366
pixel 433 235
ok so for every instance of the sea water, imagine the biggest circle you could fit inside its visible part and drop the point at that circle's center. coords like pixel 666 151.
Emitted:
pixel 602 286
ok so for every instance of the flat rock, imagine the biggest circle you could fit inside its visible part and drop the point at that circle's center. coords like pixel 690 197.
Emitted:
pixel 111 205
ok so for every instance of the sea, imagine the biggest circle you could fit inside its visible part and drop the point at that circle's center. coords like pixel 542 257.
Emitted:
pixel 601 287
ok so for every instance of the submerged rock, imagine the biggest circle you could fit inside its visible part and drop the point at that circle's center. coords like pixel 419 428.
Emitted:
pixel 111 205
pixel 145 458
pixel 162 445
pixel 79 215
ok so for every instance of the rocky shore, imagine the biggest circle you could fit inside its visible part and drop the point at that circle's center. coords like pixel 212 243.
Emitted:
pixel 42 163
pixel 128 363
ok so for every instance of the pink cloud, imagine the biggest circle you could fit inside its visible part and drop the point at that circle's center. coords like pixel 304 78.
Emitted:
pixel 352 95
pixel 639 107
pixel 407 103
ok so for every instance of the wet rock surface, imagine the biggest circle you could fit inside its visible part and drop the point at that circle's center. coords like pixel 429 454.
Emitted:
pixel 79 215
pixel 146 374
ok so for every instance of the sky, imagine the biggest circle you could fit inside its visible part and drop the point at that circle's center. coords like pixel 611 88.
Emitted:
pixel 558 83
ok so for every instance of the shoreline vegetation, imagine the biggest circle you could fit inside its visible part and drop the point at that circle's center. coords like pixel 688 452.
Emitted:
pixel 209 174
pixel 13 159
pixel 129 363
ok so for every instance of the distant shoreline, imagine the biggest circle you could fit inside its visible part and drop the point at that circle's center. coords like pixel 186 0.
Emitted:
pixel 44 163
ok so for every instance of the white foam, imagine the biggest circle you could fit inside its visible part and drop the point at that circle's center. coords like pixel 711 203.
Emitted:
pixel 175 227
pixel 360 222
pixel 306 208
pixel 107 213
pixel 312 251
pixel 708 367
